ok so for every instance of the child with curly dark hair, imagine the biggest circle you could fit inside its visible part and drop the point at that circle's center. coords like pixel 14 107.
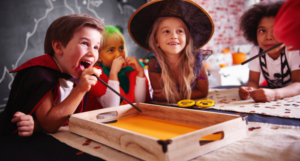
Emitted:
pixel 279 67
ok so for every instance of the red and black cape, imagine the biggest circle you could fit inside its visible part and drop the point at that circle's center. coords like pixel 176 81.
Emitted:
pixel 33 81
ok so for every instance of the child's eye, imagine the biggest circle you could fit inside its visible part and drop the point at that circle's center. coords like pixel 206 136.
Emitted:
pixel 261 31
pixel 110 50
pixel 96 47
pixel 84 43
pixel 121 48
pixel 166 31
pixel 180 31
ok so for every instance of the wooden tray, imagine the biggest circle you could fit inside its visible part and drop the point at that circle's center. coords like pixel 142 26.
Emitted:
pixel 93 125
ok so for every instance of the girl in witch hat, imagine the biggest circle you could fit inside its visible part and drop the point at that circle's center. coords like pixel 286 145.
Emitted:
pixel 174 31
pixel 279 66
pixel 123 74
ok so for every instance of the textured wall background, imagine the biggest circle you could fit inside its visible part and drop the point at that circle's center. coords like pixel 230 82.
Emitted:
pixel 226 15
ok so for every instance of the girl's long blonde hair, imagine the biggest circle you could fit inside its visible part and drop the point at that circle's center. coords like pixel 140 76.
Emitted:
pixel 187 59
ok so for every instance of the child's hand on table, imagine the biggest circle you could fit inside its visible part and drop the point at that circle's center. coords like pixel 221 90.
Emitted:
pixel 25 123
pixel 86 79
pixel 133 62
pixel 264 95
pixel 244 92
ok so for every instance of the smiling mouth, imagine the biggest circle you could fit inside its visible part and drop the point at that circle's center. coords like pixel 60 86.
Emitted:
pixel 173 43
pixel 86 64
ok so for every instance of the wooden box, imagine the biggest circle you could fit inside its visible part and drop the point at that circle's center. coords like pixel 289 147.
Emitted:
pixel 93 125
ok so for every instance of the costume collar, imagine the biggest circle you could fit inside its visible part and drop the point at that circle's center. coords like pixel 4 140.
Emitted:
pixel 57 64
pixel 43 60
pixel 121 75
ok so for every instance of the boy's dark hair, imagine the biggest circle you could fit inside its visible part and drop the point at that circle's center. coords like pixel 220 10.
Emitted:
pixel 63 29
pixel 251 18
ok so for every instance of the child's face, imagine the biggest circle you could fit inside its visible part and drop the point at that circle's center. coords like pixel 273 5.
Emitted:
pixel 81 52
pixel 112 51
pixel 265 35
pixel 171 36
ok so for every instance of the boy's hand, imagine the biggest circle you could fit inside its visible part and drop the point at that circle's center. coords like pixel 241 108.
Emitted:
pixel 25 123
pixel 86 79
pixel 263 95
pixel 133 62
pixel 244 92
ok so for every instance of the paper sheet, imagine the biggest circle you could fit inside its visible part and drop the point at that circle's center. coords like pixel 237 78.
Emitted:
pixel 229 100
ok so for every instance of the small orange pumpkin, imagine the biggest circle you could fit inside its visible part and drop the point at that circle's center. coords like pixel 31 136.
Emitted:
pixel 222 65
pixel 238 57
pixel 206 66
pixel 226 50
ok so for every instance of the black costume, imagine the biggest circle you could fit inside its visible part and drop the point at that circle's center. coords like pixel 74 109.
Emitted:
pixel 33 81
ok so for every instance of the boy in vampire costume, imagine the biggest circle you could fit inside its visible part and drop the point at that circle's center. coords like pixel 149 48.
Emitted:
pixel 48 88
